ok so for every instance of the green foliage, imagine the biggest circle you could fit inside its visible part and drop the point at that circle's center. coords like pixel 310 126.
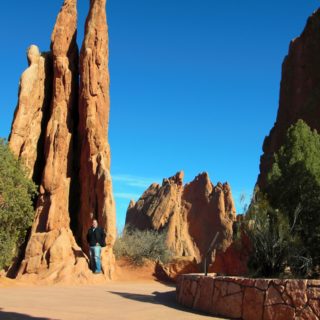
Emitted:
pixel 275 246
pixel 139 246
pixel 16 207
pixel 294 184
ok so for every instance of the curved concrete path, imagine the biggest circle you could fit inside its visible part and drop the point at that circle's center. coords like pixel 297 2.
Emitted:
pixel 112 301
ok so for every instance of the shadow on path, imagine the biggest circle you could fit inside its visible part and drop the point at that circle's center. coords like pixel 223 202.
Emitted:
pixel 6 315
pixel 167 299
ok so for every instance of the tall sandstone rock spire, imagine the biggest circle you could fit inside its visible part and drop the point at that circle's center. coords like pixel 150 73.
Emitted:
pixel 191 214
pixel 52 252
pixel 52 207
pixel 61 134
pixel 299 91
pixel 94 105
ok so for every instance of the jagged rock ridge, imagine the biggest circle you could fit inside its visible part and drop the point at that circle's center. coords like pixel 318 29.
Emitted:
pixel 191 214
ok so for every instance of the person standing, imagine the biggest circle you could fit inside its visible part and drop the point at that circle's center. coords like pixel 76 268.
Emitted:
pixel 96 239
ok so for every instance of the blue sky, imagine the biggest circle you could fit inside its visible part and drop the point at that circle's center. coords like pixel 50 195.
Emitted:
pixel 194 84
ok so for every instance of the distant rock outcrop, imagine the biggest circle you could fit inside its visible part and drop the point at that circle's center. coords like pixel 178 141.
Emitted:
pixel 191 214
pixel 299 92
pixel 53 141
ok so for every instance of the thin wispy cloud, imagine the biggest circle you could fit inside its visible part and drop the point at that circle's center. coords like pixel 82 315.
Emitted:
pixel 127 195
pixel 134 181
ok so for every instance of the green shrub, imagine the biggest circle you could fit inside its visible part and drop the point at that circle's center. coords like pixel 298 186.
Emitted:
pixel 276 248
pixel 294 182
pixel 139 246
pixel 16 206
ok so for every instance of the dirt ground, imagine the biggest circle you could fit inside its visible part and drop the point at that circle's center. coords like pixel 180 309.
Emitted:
pixel 134 295
pixel 114 300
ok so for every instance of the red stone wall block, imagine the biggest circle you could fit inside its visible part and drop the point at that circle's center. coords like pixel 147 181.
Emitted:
pixel 250 299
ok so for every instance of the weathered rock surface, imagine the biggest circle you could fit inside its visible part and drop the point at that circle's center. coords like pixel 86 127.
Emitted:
pixel 52 250
pixel 299 91
pixel 234 261
pixel 47 140
pixel 169 272
pixel 33 103
pixel 191 214
pixel 94 106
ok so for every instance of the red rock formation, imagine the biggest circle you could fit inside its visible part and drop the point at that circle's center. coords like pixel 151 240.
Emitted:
pixel 32 104
pixel 233 262
pixel 191 214
pixel 169 272
pixel 94 107
pixel 157 204
pixel 59 140
pixel 299 91
pixel 52 250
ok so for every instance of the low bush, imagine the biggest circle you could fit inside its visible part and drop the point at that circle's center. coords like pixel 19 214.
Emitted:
pixel 138 246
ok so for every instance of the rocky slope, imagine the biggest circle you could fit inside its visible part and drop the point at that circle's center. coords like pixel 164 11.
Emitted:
pixel 299 91
pixel 51 140
pixel 191 214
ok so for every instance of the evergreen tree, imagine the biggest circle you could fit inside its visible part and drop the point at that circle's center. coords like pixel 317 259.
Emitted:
pixel 294 184
pixel 16 204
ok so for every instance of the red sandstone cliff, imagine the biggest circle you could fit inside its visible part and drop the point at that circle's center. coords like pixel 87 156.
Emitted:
pixel 299 91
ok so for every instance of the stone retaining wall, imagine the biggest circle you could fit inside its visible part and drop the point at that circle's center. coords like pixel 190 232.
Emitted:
pixel 250 299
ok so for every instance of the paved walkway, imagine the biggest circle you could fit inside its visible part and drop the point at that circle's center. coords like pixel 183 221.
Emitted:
pixel 112 301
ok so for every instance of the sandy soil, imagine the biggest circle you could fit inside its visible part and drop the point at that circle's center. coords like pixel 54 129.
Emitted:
pixel 126 271
pixel 115 300
pixel 135 294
